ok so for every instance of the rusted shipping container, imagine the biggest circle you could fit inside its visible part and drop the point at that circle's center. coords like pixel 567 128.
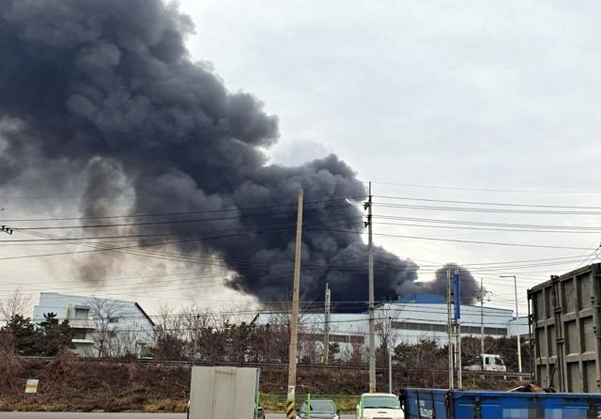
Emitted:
pixel 565 330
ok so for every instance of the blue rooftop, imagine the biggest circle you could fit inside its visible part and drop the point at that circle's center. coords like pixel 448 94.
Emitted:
pixel 422 298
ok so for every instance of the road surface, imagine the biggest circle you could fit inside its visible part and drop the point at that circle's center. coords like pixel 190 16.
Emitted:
pixel 61 415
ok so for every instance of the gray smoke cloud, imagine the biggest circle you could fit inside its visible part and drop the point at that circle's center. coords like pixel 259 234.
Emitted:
pixel 107 88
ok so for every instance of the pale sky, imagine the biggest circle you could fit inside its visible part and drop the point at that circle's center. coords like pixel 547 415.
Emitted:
pixel 443 106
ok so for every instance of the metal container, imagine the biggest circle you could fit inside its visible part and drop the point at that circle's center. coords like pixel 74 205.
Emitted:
pixel 565 331
pixel 457 404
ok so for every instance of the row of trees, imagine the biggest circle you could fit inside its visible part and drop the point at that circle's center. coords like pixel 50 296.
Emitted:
pixel 25 338
pixel 21 336
pixel 198 335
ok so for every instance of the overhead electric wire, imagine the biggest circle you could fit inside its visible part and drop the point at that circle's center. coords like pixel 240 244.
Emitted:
pixel 484 210
pixel 517 191
pixel 343 204
pixel 509 226
pixel 469 241
pixel 510 230
pixel 498 204
pixel 248 265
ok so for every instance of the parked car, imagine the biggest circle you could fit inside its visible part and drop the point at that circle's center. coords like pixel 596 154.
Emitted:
pixel 318 409
pixel 379 405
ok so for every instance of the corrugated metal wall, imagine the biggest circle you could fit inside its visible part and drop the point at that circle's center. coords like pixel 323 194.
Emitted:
pixel 566 331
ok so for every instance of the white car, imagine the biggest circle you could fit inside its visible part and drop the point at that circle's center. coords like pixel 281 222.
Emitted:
pixel 379 405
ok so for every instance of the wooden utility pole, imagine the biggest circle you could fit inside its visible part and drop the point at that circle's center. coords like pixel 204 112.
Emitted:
pixel 292 352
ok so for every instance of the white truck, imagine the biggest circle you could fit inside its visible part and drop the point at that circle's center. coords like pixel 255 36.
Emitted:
pixel 379 405
pixel 487 362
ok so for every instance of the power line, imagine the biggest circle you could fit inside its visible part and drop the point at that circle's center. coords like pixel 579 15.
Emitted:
pixel 342 203
pixel 541 246
pixel 486 210
pixel 499 204
pixel 517 191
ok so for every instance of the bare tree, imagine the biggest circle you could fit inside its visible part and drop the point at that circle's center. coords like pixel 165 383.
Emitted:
pixel 280 322
pixel 387 330
pixel 354 353
pixel 169 340
pixel 14 304
pixel 106 315
pixel 198 326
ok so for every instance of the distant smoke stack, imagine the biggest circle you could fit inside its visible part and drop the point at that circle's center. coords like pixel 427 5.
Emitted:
pixel 107 89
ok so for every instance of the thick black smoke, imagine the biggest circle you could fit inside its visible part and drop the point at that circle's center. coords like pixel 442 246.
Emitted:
pixel 107 88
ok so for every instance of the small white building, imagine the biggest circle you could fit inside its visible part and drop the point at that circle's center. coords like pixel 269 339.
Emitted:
pixel 102 327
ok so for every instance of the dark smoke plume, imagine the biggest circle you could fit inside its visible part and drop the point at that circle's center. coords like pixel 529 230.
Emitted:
pixel 470 290
pixel 107 88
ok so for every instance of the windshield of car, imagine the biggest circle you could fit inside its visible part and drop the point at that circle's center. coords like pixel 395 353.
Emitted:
pixel 381 402
pixel 325 406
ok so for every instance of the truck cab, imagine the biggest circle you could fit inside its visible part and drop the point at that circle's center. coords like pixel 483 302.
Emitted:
pixel 487 362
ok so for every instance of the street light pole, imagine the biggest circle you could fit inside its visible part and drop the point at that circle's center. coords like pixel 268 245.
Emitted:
pixel 517 321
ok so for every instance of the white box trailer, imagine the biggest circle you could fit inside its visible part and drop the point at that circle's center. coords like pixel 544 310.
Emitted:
pixel 223 392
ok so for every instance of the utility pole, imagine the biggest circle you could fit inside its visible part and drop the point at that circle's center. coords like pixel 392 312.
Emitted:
pixel 454 328
pixel 326 337
pixel 195 356
pixel 389 347
pixel 481 316
pixel 450 332
pixel 292 352
pixel 517 322
pixel 457 326
pixel 371 308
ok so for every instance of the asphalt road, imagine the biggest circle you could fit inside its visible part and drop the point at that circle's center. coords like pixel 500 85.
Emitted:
pixel 61 415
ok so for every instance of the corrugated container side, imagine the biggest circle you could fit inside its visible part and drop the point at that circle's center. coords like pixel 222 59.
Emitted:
pixel 444 404
pixel 425 403
pixel 565 330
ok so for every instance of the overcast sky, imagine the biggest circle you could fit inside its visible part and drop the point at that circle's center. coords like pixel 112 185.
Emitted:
pixel 457 112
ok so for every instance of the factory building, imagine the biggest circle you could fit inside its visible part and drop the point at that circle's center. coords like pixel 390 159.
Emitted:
pixel 407 320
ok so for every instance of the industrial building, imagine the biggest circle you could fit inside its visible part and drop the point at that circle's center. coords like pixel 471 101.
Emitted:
pixel 102 327
pixel 407 320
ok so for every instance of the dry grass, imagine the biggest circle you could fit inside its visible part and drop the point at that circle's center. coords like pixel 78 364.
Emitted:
pixel 69 383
